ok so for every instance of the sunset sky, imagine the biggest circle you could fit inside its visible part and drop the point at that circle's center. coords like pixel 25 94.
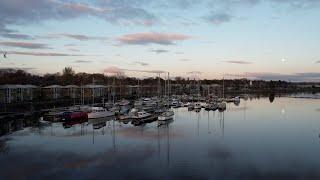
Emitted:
pixel 263 39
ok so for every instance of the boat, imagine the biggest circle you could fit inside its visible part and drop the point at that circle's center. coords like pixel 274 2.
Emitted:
pixel 160 111
pixel 99 112
pixel 74 115
pixel 140 115
pixel 222 106
pixel 166 115
pixel 207 107
pixel 176 105
pixel 211 106
pixel 190 106
pixel 197 106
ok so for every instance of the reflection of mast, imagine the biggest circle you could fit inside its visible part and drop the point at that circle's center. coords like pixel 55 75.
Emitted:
pixel 244 110
pixel 222 122
pixel 208 123
pixel 113 135
pixel 168 145
pixel 158 141
pixel 198 122
pixel 214 115
pixel 92 136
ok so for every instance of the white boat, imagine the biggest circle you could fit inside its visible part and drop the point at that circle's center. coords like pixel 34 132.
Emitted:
pixel 141 115
pixel 99 112
pixel 166 115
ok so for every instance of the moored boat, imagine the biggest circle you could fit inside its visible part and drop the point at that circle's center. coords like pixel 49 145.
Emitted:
pixel 222 106
pixel 99 112
pixel 166 115
pixel 74 115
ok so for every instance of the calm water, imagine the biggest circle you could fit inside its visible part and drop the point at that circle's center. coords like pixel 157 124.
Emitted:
pixel 255 140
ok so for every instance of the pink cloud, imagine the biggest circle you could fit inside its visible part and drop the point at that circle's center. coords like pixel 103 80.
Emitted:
pixel 27 45
pixel 152 38
pixel 42 53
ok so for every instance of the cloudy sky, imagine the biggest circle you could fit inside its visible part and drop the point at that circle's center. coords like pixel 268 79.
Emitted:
pixel 265 39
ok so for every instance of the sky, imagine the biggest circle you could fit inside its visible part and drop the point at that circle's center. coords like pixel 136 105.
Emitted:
pixel 258 39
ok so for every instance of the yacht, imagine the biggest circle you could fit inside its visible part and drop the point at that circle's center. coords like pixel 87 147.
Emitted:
pixel 140 115
pixel 99 112
pixel 166 115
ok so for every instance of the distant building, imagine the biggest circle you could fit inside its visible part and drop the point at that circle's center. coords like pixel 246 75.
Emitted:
pixel 17 93
pixel 52 92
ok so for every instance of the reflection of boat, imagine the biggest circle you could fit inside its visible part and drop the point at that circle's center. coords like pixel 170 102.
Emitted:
pixel 166 115
pixel 161 123
pixel 70 123
pixel 99 122
pixel 99 112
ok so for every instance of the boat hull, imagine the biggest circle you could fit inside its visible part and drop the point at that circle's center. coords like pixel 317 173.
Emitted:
pixel 96 115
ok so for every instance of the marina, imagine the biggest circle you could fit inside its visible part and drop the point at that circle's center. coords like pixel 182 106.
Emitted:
pixel 159 90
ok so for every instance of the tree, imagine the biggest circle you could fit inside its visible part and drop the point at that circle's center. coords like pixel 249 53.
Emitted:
pixel 67 76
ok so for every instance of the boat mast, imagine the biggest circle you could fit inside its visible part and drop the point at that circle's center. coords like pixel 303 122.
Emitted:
pixel 223 87
pixel 93 88
pixel 113 92
pixel 169 88
pixel 159 86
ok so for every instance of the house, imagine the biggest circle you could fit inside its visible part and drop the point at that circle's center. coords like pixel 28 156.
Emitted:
pixel 10 93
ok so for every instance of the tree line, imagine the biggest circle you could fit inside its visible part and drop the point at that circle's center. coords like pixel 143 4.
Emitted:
pixel 68 76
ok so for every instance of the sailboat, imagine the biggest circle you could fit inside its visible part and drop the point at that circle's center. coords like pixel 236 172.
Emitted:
pixel 222 105
pixel 198 105
pixel 168 114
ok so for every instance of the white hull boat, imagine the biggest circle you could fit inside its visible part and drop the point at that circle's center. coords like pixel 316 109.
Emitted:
pixel 140 115
pixel 99 112
pixel 166 116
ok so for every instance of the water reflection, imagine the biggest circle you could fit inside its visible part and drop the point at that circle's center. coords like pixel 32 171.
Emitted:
pixel 271 98
pixel 244 142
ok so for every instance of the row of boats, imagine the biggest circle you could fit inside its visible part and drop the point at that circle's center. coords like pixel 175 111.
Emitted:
pixel 139 111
